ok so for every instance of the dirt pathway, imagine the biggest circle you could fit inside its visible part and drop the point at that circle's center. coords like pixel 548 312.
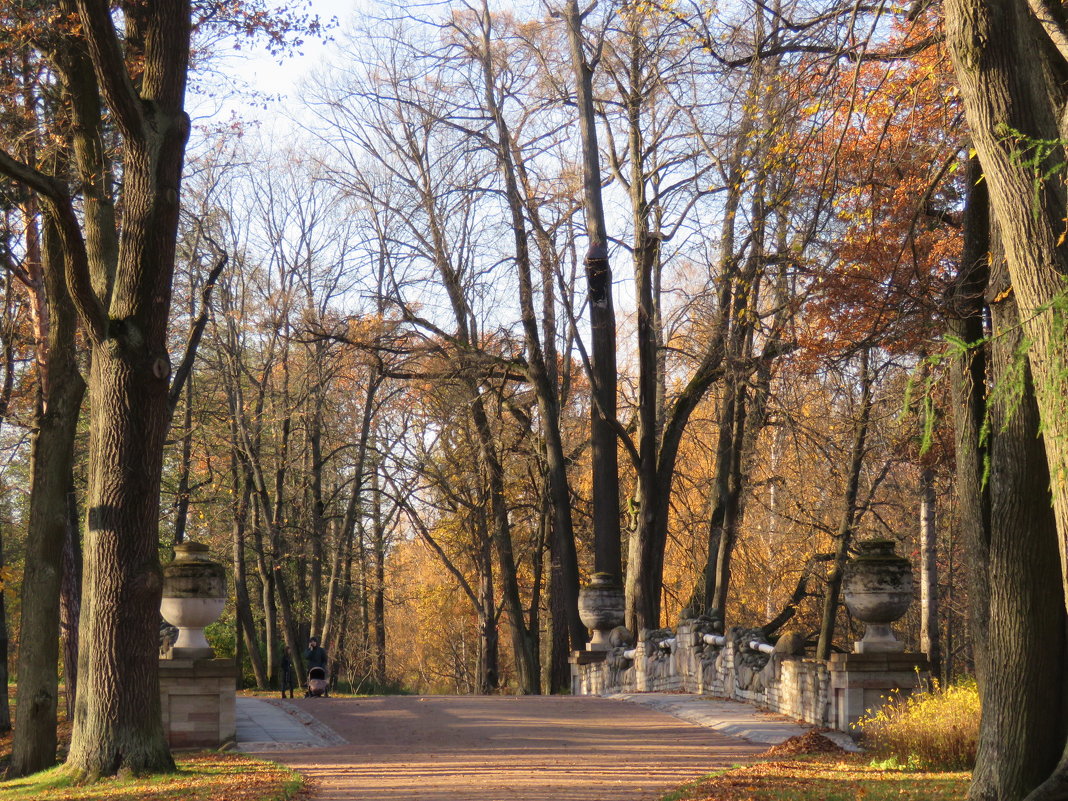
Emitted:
pixel 506 749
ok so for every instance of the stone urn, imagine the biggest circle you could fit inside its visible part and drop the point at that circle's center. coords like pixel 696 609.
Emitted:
pixel 601 609
pixel 194 593
pixel 877 586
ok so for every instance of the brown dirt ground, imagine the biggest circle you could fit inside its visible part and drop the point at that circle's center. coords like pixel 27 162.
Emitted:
pixel 404 748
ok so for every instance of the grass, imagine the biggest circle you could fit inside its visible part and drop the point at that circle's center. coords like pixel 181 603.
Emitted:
pixel 201 776
pixel 205 776
pixel 824 778
pixel 936 729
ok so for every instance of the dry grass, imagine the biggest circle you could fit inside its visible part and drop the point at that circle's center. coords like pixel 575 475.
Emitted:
pixel 938 729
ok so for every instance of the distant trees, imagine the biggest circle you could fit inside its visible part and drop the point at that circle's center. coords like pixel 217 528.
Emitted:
pixel 425 382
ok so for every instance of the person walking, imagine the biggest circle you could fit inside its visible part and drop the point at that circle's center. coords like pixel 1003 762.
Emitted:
pixel 288 677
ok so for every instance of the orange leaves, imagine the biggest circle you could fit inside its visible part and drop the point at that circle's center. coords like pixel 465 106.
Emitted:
pixel 814 779
pixel 888 149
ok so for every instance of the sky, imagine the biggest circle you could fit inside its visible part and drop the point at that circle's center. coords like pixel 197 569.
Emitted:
pixel 277 81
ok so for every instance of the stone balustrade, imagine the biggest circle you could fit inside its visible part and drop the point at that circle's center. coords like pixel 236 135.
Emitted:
pixel 693 659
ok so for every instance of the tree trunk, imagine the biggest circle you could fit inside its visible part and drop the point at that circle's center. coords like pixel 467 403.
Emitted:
pixel 930 639
pixel 489 648
pixel 52 454
pixel 181 506
pixel 845 528
pixel 378 546
pixel 70 598
pixel 5 710
pixel 542 379
pixel 5 398
pixel 1023 727
pixel 241 489
pixel 1011 70
pixel 606 536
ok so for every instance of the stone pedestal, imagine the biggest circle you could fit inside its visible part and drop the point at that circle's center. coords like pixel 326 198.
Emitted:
pixel 862 682
pixel 198 699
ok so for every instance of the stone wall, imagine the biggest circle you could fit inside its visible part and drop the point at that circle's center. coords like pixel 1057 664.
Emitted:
pixel 795 686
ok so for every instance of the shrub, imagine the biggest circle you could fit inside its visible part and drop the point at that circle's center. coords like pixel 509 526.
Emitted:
pixel 934 729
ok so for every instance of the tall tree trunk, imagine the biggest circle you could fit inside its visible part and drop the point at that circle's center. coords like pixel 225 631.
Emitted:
pixel 5 710
pixel 318 512
pixel 844 537
pixel 930 635
pixel 527 668
pixel 378 546
pixel 5 399
pixel 1010 60
pixel 489 648
pixel 52 454
pixel 1023 726
pixel 70 598
pixel 542 379
pixel 181 506
pixel 241 491
pixel 606 535
pixel 723 522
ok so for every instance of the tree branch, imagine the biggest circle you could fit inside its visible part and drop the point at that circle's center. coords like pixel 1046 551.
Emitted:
pixel 75 257
pixel 111 74
pixel 196 333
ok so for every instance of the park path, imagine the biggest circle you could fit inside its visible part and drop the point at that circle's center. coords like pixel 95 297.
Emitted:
pixel 505 748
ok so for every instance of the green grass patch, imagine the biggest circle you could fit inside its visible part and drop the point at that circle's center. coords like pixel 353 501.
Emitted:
pixel 205 776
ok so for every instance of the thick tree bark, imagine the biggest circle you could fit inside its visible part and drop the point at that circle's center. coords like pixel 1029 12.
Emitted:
pixel 1018 644
pixel 117 723
pixel 1023 727
pixel 52 454
pixel 1011 68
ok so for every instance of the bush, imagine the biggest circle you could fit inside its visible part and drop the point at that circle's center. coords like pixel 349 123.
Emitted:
pixel 935 729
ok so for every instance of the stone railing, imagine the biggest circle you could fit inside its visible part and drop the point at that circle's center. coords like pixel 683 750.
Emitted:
pixel 738 666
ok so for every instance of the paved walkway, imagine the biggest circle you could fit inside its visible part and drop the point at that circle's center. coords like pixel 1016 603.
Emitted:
pixel 478 748
pixel 731 717
pixel 274 725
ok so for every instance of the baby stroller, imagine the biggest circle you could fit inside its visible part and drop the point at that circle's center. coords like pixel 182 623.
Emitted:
pixel 317 683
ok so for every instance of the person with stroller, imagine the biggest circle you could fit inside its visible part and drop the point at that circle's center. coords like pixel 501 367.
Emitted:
pixel 288 676
pixel 316 658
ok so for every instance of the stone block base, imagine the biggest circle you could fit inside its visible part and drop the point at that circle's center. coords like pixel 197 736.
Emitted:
pixel 863 682
pixel 198 699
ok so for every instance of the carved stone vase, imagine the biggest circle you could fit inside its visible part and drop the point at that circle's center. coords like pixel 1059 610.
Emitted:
pixel 877 586
pixel 601 609
pixel 194 593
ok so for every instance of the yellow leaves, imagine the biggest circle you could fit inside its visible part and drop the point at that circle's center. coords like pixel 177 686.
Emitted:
pixel 8 576
pixel 1003 295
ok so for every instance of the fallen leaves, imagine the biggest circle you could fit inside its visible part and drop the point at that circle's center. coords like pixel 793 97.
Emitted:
pixel 826 777
pixel 200 777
